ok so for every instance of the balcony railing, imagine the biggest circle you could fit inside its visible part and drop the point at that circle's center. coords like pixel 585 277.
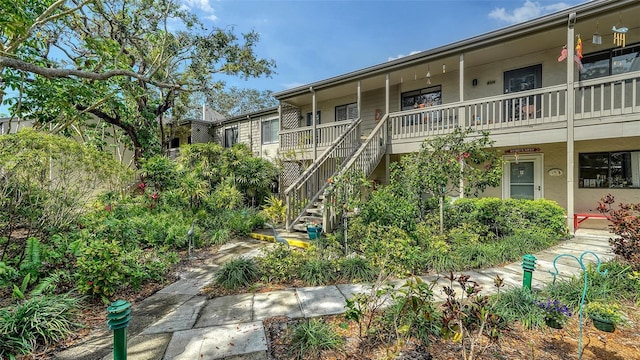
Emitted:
pixel 302 138
pixel 617 95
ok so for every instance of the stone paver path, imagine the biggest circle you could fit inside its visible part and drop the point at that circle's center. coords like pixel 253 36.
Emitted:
pixel 177 323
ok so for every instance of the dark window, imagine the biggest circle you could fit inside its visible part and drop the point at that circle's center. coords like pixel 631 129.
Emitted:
pixel 230 136
pixel 522 79
pixel 309 121
pixel 175 143
pixel 611 62
pixel 430 96
pixel 527 78
pixel 619 169
pixel 347 112
pixel 270 130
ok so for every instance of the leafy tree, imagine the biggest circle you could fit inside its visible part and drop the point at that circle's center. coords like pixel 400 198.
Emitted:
pixel 452 164
pixel 235 101
pixel 115 64
pixel 46 181
pixel 236 166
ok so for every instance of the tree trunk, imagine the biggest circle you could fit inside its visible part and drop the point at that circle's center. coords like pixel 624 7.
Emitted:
pixel 441 201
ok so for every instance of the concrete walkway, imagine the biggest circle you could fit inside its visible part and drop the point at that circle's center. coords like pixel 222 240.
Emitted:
pixel 177 323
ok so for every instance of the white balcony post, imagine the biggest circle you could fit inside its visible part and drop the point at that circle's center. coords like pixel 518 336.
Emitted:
pixel 570 116
pixel 461 112
pixel 314 137
pixel 386 95
pixel 359 100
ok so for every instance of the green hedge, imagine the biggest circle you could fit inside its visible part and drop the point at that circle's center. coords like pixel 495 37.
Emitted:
pixel 496 218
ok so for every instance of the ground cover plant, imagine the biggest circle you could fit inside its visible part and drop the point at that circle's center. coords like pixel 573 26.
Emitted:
pixel 404 228
pixel 404 322
pixel 77 230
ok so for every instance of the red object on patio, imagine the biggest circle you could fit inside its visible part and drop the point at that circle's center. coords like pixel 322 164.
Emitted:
pixel 579 218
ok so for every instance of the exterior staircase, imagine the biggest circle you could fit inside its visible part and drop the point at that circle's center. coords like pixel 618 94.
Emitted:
pixel 305 197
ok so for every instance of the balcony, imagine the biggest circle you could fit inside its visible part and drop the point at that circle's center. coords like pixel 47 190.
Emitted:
pixel 603 100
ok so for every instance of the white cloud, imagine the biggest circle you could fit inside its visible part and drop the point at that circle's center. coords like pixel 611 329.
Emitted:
pixel 528 10
pixel 201 5
pixel 401 55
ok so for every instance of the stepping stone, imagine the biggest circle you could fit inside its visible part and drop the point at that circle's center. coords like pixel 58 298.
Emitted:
pixel 320 301
pixel 231 309
pixel 217 342
pixel 145 347
pixel 182 318
pixel 275 303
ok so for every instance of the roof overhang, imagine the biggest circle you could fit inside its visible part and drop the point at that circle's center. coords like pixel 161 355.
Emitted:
pixel 493 38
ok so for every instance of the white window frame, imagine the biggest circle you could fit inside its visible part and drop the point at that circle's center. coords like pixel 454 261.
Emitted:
pixel 538 173
pixel 350 111
pixel 269 124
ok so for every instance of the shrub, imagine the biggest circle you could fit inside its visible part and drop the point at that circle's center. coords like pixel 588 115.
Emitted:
pixel 519 304
pixel 274 209
pixel 160 172
pixel 279 264
pixel 621 279
pixel 41 320
pixel 625 223
pixel 385 209
pixel 311 337
pixel 493 218
pixel 356 269
pixel 316 272
pixel 392 249
pixel 101 268
pixel 237 273
pixel 412 312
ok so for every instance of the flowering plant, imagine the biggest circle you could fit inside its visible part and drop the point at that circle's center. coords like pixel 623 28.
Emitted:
pixel 556 311
pixel 611 312
pixel 313 224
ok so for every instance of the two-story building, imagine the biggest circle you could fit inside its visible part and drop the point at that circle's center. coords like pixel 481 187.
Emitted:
pixel 560 95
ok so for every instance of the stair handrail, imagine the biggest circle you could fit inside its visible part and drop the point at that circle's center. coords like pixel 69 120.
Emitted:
pixel 366 143
pixel 323 156
pixel 329 214
pixel 310 171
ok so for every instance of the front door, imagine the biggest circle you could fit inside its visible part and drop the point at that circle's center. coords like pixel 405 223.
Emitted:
pixel 522 177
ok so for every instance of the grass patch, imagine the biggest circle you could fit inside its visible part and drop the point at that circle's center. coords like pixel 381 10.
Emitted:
pixel 237 273
pixel 310 338
pixel 41 320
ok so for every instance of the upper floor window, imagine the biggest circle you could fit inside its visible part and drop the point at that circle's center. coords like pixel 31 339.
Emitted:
pixel 619 169
pixel 310 117
pixel 347 112
pixel 270 130
pixel 522 79
pixel 430 96
pixel 611 62
pixel 230 136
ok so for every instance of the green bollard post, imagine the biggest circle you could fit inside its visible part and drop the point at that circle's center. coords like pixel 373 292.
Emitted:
pixel 118 317
pixel 528 265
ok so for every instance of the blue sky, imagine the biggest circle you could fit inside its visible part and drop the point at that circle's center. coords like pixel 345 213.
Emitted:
pixel 312 40
pixel 317 39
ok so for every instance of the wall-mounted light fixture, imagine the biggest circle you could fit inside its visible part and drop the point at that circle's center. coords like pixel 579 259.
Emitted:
pixel 428 75
pixel 444 68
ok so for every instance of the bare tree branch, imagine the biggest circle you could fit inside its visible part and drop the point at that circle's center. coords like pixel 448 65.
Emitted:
pixel 53 73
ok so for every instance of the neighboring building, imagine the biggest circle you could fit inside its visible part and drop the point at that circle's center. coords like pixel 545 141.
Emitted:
pixel 12 125
pixel 566 134
pixel 259 130
pixel 192 130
